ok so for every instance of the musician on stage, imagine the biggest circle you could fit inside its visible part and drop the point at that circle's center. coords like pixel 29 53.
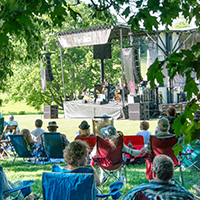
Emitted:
pixel 107 89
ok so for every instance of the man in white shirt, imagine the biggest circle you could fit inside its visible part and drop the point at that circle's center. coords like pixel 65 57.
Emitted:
pixel 38 131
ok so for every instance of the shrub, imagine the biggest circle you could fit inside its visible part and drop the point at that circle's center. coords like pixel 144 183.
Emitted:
pixel 22 112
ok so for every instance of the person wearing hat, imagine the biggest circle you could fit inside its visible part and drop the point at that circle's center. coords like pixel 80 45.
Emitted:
pixel 84 130
pixel 162 132
pixel 52 127
pixel 110 133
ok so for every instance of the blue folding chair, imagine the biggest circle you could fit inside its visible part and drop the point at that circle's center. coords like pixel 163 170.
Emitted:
pixel 19 147
pixel 24 187
pixel 76 184
pixel 52 145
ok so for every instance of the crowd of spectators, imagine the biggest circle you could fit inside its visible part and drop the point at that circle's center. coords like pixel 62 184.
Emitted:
pixel 76 155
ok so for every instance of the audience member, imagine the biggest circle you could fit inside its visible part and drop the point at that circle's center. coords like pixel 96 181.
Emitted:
pixel 75 156
pixel 52 127
pixel 161 187
pixel 84 130
pixel 36 134
pixel 171 116
pixel 8 185
pixel 162 132
pixel 11 121
pixel 30 143
pixel 144 126
pixel 104 123
pixel 110 133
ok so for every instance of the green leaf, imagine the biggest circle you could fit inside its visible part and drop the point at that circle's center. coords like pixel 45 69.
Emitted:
pixel 126 12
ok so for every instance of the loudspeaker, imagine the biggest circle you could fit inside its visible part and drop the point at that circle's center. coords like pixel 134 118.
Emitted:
pixel 139 111
pixel 48 70
pixel 102 51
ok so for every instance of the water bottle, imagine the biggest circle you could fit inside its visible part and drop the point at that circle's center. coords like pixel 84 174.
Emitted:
pixel 130 145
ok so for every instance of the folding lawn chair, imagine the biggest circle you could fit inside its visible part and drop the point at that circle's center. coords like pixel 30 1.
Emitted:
pixel 19 147
pixel 24 187
pixel 52 146
pixel 163 147
pixel 192 160
pixel 135 142
pixel 5 142
pixel 76 184
pixel 109 159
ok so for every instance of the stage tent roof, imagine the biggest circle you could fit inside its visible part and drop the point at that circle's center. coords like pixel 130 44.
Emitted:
pixel 104 34
pixel 92 36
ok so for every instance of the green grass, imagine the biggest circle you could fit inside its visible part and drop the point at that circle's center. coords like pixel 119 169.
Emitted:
pixel 135 175
pixel 26 171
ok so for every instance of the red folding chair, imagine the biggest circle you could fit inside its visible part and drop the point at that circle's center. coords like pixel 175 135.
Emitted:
pixel 91 141
pixel 134 142
pixel 109 159
pixel 163 147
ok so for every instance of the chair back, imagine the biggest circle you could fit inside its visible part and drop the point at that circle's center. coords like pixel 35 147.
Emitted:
pixel 164 147
pixel 160 147
pixel 67 186
pixel 134 142
pixel 109 158
pixel 101 122
pixel 91 141
pixel 8 128
pixel 20 146
pixel 53 145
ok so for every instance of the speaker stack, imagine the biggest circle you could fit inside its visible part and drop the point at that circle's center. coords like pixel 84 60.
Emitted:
pixel 139 111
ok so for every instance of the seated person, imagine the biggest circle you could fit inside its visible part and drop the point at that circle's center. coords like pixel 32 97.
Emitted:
pixel 161 187
pixel 162 132
pixel 36 134
pixel 75 156
pixel 144 126
pixel 12 122
pixel 171 116
pixel 30 143
pixel 52 127
pixel 110 133
pixel 84 130
pixel 104 123
pixel 8 185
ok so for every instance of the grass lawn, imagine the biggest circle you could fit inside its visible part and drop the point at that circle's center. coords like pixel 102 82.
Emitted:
pixel 25 171
pixel 135 173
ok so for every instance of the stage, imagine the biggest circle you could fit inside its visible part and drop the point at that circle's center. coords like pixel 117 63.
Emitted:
pixel 77 109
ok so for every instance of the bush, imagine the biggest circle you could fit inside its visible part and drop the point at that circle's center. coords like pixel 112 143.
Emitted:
pixel 22 112
pixel 12 113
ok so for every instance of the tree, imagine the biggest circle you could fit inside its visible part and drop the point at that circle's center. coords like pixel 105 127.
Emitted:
pixel 18 20
pixel 152 13
pixel 81 71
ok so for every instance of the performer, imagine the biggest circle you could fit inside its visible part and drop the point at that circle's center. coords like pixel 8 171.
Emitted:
pixel 107 89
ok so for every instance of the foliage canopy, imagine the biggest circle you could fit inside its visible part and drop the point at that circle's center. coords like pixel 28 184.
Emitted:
pixel 22 20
